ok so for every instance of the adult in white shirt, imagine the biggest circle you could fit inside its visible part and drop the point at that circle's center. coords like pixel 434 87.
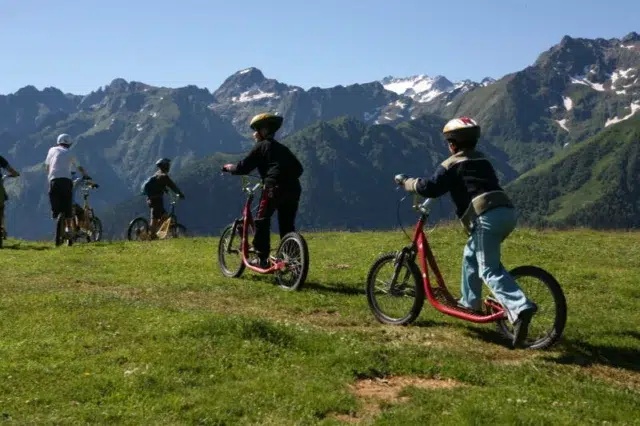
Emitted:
pixel 60 163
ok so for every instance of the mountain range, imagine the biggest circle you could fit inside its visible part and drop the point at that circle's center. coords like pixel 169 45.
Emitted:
pixel 351 139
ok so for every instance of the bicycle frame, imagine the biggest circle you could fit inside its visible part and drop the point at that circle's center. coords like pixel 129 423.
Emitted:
pixel 88 211
pixel 248 223
pixel 169 218
pixel 426 257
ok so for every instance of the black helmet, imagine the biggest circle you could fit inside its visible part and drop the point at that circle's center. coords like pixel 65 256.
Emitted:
pixel 268 121
pixel 163 163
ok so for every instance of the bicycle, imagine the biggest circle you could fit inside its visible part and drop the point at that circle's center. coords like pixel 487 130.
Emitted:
pixel 62 233
pixel 291 262
pixel 3 230
pixel 89 226
pixel 416 284
pixel 138 229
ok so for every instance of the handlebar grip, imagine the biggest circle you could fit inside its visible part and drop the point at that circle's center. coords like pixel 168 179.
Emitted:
pixel 400 179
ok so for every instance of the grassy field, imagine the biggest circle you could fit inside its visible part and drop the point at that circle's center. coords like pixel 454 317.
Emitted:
pixel 135 333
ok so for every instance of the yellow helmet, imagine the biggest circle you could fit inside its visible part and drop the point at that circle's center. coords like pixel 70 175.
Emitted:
pixel 462 131
pixel 266 120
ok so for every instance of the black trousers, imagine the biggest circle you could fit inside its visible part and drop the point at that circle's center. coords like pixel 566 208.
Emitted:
pixel 61 197
pixel 285 200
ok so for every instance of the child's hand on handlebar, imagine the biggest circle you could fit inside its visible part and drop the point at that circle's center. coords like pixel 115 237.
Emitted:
pixel 409 184
pixel 227 168
pixel 399 179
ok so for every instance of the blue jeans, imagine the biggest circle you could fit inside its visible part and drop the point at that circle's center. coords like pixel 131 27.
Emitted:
pixel 481 262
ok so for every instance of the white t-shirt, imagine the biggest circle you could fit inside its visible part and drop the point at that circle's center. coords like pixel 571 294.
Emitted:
pixel 61 162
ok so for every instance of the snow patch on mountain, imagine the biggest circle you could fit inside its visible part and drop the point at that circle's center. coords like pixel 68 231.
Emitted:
pixel 568 103
pixel 563 123
pixel 581 79
pixel 400 104
pixel 635 106
pixel 487 81
pixel 422 88
pixel 617 74
pixel 253 95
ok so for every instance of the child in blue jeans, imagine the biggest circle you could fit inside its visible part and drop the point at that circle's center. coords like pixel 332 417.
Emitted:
pixel 486 214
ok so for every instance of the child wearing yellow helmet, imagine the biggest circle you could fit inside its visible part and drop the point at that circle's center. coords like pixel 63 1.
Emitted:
pixel 280 171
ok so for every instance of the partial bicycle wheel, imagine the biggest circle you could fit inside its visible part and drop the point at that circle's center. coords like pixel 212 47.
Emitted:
pixel 548 323
pixel 394 291
pixel 138 229
pixel 229 252
pixel 293 250
pixel 177 231
pixel 96 229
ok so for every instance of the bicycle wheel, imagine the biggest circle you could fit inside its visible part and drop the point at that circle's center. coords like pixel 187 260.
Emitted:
pixel 138 229
pixel 294 251
pixel 548 323
pixel 406 292
pixel 96 229
pixel 177 231
pixel 230 260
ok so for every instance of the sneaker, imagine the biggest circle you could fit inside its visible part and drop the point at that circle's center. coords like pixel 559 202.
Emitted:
pixel 521 326
pixel 259 263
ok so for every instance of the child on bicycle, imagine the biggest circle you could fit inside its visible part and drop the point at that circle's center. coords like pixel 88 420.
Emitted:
pixel 4 164
pixel 487 215
pixel 280 171
pixel 154 188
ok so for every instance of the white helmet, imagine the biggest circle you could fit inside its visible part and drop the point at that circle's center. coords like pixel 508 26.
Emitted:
pixel 64 139
pixel 462 130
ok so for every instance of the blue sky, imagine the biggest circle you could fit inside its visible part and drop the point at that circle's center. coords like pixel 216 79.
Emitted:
pixel 78 46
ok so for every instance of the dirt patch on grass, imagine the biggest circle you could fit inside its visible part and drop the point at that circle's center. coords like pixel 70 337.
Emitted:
pixel 617 376
pixel 373 393
pixel 339 266
pixel 388 388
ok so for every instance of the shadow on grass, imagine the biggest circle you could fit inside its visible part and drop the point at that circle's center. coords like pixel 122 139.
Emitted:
pixel 333 288
pixel 488 335
pixel 574 352
pixel 628 333
pixel 19 246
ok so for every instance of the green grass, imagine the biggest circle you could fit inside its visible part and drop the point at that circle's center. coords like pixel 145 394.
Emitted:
pixel 134 333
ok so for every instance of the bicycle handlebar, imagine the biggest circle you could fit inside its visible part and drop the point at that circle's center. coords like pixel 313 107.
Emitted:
pixel 400 179
pixel 251 189
pixel 425 206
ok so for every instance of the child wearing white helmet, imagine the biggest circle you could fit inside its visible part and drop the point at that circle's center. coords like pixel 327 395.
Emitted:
pixel 487 215
pixel 60 162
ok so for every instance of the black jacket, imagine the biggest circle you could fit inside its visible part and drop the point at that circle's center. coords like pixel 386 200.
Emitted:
pixel 160 183
pixel 276 164
pixel 466 175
